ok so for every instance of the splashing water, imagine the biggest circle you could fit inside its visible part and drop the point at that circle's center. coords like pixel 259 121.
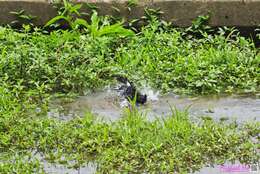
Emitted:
pixel 123 102
pixel 151 94
pixel 109 102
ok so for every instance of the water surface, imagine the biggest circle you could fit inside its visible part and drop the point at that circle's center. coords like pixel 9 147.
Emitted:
pixel 108 105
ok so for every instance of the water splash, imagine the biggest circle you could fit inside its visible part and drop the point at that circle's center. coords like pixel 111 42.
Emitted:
pixel 151 94
pixel 124 103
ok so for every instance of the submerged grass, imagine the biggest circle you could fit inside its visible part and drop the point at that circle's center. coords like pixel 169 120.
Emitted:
pixel 132 144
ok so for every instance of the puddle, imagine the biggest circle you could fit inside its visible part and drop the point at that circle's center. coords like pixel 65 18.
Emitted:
pixel 229 168
pixel 107 104
pixel 55 168
pixel 60 169
pixel 241 108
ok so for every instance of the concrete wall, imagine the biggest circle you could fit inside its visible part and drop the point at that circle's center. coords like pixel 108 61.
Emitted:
pixel 244 13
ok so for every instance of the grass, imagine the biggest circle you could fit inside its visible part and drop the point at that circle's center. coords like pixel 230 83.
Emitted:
pixel 132 144
pixel 34 66
pixel 67 61
pixel 209 65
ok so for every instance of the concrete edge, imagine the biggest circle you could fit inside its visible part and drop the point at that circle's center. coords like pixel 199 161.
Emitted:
pixel 242 13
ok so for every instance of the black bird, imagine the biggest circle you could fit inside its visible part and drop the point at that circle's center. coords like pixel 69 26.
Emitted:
pixel 130 91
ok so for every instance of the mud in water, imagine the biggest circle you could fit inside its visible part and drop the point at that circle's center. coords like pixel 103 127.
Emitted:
pixel 108 105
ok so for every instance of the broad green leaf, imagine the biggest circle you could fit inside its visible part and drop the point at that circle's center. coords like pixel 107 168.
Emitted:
pixel 115 29
pixel 55 19
pixel 80 22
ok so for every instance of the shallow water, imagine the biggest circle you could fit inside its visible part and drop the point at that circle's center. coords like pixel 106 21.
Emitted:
pixel 227 168
pixel 107 104
pixel 60 169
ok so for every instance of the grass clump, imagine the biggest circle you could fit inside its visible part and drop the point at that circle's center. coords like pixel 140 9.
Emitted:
pixel 21 164
pixel 63 61
pixel 211 64
pixel 134 144
pixel 68 61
